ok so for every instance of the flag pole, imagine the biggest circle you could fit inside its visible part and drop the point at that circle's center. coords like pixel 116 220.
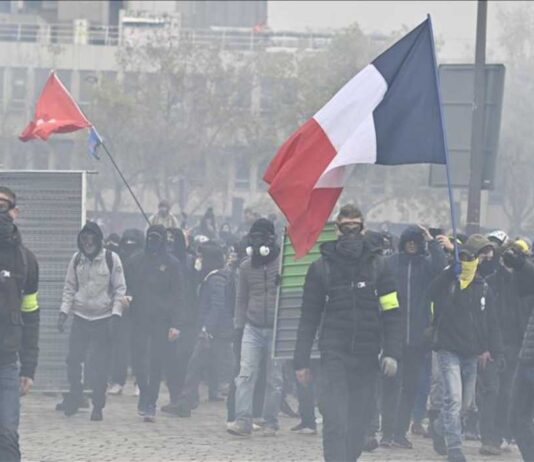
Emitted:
pixel 125 182
pixel 457 266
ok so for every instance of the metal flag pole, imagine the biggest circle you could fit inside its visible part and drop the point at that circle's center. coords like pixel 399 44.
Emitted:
pixel 125 182
pixel 457 266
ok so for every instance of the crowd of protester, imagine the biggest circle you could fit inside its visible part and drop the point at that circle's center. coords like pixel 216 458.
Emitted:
pixel 422 334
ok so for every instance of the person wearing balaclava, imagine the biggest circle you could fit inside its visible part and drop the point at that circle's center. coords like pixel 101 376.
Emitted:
pixel 156 284
pixel 420 259
pixel 19 323
pixel 179 353
pixel 494 383
pixel 132 241
pixel 465 337
pixel 257 288
pixel 213 345
pixel 93 293
pixel 350 292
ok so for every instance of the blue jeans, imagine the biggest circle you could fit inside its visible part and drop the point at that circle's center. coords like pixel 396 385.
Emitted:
pixel 458 381
pixel 9 397
pixel 257 344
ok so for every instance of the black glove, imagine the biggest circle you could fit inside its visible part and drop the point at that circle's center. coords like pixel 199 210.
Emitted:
pixel 62 318
pixel 514 258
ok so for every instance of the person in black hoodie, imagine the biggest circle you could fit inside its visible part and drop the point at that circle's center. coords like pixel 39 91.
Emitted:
pixel 156 285
pixel 494 386
pixel 19 323
pixel 420 259
pixel 179 352
pixel 465 333
pixel 351 294
pixel 131 242
pixel 216 310
pixel 522 404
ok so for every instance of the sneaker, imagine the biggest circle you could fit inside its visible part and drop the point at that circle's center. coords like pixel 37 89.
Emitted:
pixel 96 415
pixel 70 406
pixel 267 432
pixel 386 442
pixel 490 450
pixel 183 410
pixel 418 429
pixel 370 444
pixel 471 436
pixel 439 445
pixel 150 414
pixel 171 408
pixel 237 429
pixel 456 455
pixel 402 442
pixel 115 389
pixel 83 403
pixel 303 429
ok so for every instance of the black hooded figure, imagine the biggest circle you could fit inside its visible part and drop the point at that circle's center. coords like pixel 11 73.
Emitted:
pixel 156 284
pixel 131 242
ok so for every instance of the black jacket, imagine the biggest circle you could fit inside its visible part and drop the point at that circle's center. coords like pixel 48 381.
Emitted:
pixel 156 284
pixel 413 274
pixel 19 310
pixel 216 302
pixel 512 310
pixel 342 295
pixel 465 321
pixel 525 281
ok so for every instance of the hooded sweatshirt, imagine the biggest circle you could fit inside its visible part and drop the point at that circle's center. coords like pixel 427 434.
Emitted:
pixel 91 291
pixel 413 275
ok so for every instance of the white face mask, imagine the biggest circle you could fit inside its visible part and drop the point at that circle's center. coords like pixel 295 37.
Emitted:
pixel 198 265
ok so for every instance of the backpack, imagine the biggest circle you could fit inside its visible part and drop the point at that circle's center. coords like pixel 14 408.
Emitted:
pixel 109 263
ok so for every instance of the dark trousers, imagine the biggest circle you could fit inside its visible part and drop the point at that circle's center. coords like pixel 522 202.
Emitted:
pixel 306 396
pixel 347 392
pixel 121 352
pixel 400 392
pixel 488 384
pixel 177 359
pixel 259 390
pixel 423 390
pixel 89 343
pixel 9 413
pixel 208 355
pixel 150 342
pixel 522 411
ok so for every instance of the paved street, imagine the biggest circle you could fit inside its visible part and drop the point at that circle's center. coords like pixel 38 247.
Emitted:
pixel 48 436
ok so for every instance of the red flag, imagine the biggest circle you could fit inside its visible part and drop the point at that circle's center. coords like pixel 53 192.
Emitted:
pixel 56 112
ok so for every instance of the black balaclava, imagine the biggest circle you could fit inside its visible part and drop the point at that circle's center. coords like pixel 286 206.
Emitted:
pixel 132 241
pixel 262 246
pixel 92 228
pixel 113 242
pixel 7 229
pixel 488 267
pixel 351 242
pixel 156 239
pixel 176 245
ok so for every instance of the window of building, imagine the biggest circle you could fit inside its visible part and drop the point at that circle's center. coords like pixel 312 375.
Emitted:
pixel 242 173
pixel 19 89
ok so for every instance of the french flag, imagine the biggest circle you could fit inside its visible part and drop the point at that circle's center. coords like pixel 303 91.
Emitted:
pixel 389 114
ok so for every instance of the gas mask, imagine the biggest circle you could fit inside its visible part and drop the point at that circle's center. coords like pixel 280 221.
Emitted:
pixel 260 245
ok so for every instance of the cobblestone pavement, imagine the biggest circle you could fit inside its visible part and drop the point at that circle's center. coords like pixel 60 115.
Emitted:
pixel 49 436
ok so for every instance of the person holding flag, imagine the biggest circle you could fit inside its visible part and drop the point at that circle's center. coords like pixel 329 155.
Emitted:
pixel 390 113
pixel 342 293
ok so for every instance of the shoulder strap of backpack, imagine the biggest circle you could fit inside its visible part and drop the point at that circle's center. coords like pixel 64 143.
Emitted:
pixel 109 260
pixel 324 267
pixel 77 259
